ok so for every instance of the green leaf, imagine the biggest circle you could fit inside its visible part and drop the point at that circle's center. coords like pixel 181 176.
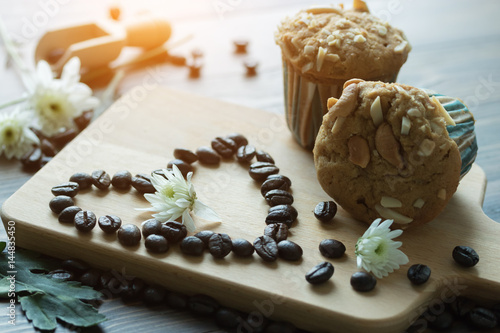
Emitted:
pixel 2 246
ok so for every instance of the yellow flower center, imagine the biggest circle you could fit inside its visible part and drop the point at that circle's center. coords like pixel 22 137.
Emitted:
pixel 10 134
pixel 53 107
pixel 168 191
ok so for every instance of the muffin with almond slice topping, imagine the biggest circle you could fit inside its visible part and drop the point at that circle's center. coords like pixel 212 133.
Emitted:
pixel 324 47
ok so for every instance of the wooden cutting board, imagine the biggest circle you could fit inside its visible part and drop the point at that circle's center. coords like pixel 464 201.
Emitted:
pixel 139 133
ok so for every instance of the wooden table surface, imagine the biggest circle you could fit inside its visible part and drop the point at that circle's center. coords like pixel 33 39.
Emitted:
pixel 456 51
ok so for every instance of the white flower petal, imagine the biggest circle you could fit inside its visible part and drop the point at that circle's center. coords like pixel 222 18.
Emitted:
pixel 187 220
pixel 44 73
pixel 71 72
pixel 205 212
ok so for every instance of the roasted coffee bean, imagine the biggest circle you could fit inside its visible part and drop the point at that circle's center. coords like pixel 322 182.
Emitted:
pixel 419 274
pixel 277 231
pixel 207 155
pixel 83 179
pixel 90 277
pixel 245 153
pixel 281 327
pixel 227 318
pixel 134 290
pixel 129 235
pixel 48 148
pixel 290 209
pixel 32 160
pixel 482 318
pixel 240 46
pixel 242 247
pixel 185 155
pixel 75 265
pixel 279 197
pixel 280 215
pixel 239 139
pixel 251 67
pixel 203 304
pixel 161 172
pixel 57 204
pixel 192 246
pixel 362 281
pixel 195 67
pixel 61 139
pixel 442 321
pixel 320 273
pixel 67 215
pixel 275 182
pixel 331 248
pixel 325 211
pixel 204 235
pixel 220 245
pixel 224 147
pixel 85 221
pixel 176 300
pixel 261 170
pixel 83 120
pixel 61 275
pixel 262 156
pixel 266 248
pixel 153 295
pixel 465 256
pixel 69 189
pixel 142 184
pixel 156 243
pixel 289 250
pixel 257 322
pixel 184 167
pixel 151 227
pixel 122 180
pixel 173 231
pixel 462 306
pixel 101 179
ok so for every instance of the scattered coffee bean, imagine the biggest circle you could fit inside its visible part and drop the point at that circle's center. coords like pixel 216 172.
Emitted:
pixel 279 197
pixel 83 179
pixel 288 208
pixel 261 170
pixel 320 273
pixel 207 155
pixel 251 67
pixel 224 147
pixel 32 159
pixel 482 318
pixel 83 120
pixel 151 227
pixel 61 275
pixel 239 139
pixel 109 223
pixel 262 156
pixel 47 148
pixel 281 327
pixel 173 231
pixel 195 69
pixel 203 304
pixel 153 295
pixel 277 231
pixel 61 139
pixel 281 215
pixel 275 182
pixel 176 300
pixel 101 179
pixel 204 235
pixel 332 248
pixel 90 277
pixel 122 180
pixel 156 243
pixel 289 250
pixel 85 221
pixel 227 318
pixel 57 204
pixel 192 246
pixel 362 281
pixel 465 256
pixel 134 290
pixel 266 248
pixel 142 183
pixel 462 306
pixel 220 245
pixel 325 211
pixel 242 247
pixel 184 167
pixel 257 322
pixel 240 46
pixel 245 153
pixel 185 155
pixel 442 321
pixel 161 172
pixel 69 189
pixel 67 215
pixel 75 265
pixel 419 274
pixel 129 235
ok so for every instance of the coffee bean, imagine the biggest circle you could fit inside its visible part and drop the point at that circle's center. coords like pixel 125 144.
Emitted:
pixel 83 179
pixel 262 156
pixel 156 243
pixel 288 208
pixel 279 197
pixel 483 318
pixel 61 275
pixel 289 250
pixel 204 235
pixel 242 247
pixel 134 290
pixel 362 281
pixel 220 245
pixel 69 189
pixel 207 155
pixel 161 172
pixel 90 277
pixel 441 321
pixel 266 248
pixel 184 167
pixel 151 227
pixel 419 274
pixel 275 182
pixel 142 184
pixel 85 221
pixel 122 180
pixel 173 231
pixel 192 246
pixel 195 67
pixel 239 139
pixel 57 204
pixel 32 159
pixel 320 273
pixel 325 211
pixel 251 67
pixel 224 147
pixel 281 215
pixel 277 231
pixel 153 295
pixel 245 153
pixel 75 265
pixel 67 215
pixel 176 300
pixel 465 256
pixel 203 304
pixel 83 120
pixel 257 322
pixel 129 235
pixel 185 155
pixel 101 179
pixel 462 306
pixel 227 318
pixel 281 327
pixel 240 46
pixel 62 139
pixel 48 148
pixel 261 170
pixel 332 248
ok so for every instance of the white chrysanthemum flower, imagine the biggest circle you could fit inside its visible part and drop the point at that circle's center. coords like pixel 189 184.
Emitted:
pixel 16 139
pixel 56 102
pixel 175 197
pixel 376 250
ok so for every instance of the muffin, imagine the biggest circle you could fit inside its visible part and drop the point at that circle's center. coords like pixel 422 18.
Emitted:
pixel 392 151
pixel 324 47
